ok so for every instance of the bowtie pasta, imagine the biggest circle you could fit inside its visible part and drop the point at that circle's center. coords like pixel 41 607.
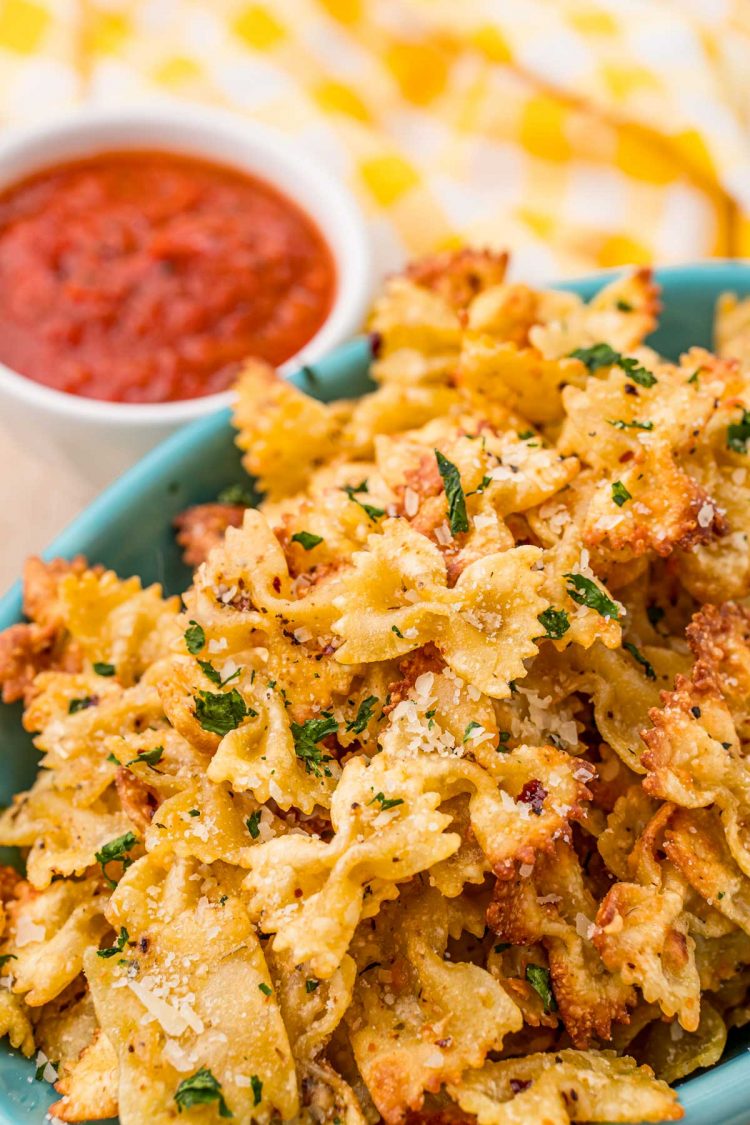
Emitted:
pixel 431 800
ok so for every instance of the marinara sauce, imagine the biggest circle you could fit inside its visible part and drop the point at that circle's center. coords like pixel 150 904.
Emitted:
pixel 149 277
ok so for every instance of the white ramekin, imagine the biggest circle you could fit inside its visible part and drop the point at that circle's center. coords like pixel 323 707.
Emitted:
pixel 104 438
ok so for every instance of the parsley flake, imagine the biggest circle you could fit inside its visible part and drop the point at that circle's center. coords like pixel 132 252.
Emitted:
pixel 395 629
pixel 252 823
pixel 471 727
pixel 501 946
pixel 584 591
pixel 620 494
pixel 200 1089
pixel 236 494
pixel 210 672
pixel 76 705
pixel 311 984
pixel 634 425
pixel 116 851
pixel 307 540
pixel 265 989
pixel 555 623
pixel 738 434
pixel 103 669
pixel 306 737
pixel 118 947
pixel 220 712
pixel 350 490
pixel 539 979
pixel 386 802
pixel 602 355
pixel 257 1088
pixel 150 757
pixel 623 306
pixel 457 517
pixel 648 668
pixel 5 958
pixel 195 638
pixel 364 714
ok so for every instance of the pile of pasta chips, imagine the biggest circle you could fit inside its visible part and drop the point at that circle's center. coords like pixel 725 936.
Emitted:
pixel 431 800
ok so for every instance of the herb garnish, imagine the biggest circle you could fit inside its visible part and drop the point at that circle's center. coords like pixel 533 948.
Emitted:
pixel 306 737
pixel 350 490
pixel 265 989
pixel 236 494
pixel 220 712
pixel 195 638
pixel 76 705
pixel 311 984
pixel 386 802
pixel 555 623
pixel 252 823
pixel 364 714
pixel 457 517
pixel 116 851
pixel 471 727
pixel 118 947
pixel 200 1089
pixel 634 425
pixel 602 355
pixel 648 668
pixel 584 591
pixel 620 494
pixel 150 757
pixel 257 1088
pixel 306 539
pixel 539 979
pixel 210 672
pixel 738 434
pixel 103 669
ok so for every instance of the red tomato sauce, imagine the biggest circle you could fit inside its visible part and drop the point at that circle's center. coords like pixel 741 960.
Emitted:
pixel 149 277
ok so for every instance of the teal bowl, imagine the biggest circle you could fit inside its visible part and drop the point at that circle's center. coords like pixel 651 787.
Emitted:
pixel 129 528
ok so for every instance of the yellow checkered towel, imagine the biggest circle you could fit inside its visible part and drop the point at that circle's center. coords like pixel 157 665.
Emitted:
pixel 582 133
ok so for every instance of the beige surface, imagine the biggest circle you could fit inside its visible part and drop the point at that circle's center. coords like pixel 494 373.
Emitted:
pixel 39 493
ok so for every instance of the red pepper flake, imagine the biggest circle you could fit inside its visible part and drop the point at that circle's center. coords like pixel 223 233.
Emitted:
pixel 277 584
pixel 376 344
pixel 534 794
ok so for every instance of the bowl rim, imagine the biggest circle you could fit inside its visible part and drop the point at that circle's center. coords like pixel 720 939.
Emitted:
pixel 187 128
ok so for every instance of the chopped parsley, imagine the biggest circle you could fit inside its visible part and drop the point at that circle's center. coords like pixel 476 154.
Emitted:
pixel 306 539
pixel 395 629
pixel 195 638
pixel 311 984
pixel 501 946
pixel 471 727
pixel 364 714
pixel 118 947
pixel 457 517
pixel 648 668
pixel 5 958
pixel 200 1089
pixel 694 377
pixel 210 672
pixel 253 822
pixel 103 669
pixel 555 622
pixel 623 306
pixel 194 812
pixel 634 425
pixel 257 1088
pixel 116 851
pixel 306 737
pixel 265 989
pixel 76 705
pixel 220 712
pixel 602 355
pixel 236 494
pixel 539 979
pixel 386 802
pixel 350 490
pixel 150 757
pixel 584 591
pixel 738 434
pixel 526 435
pixel 620 494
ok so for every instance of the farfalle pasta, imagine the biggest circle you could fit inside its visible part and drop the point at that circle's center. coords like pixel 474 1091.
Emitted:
pixel 430 801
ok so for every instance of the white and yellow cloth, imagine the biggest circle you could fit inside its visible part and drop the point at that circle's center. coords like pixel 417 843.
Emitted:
pixel 583 133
